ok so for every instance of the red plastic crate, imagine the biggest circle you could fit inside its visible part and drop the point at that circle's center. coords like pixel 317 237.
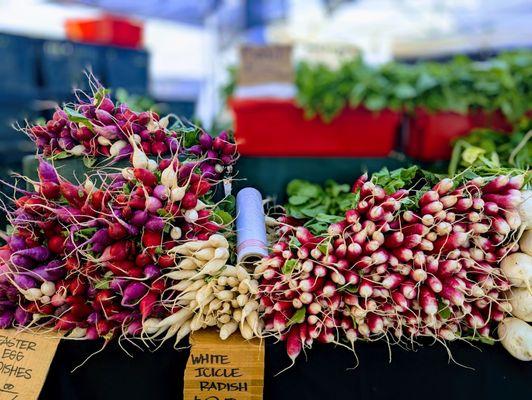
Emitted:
pixel 106 30
pixel 271 127
pixel 430 135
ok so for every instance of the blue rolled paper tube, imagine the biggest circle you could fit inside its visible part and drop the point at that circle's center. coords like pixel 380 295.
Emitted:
pixel 250 226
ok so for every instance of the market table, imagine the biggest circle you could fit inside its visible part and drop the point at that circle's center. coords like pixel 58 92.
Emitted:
pixel 327 373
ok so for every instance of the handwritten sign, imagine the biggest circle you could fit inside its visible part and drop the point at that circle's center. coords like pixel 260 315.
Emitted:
pixel 265 64
pixel 231 369
pixel 24 362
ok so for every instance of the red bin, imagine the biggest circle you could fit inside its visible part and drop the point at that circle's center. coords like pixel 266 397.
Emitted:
pixel 431 134
pixel 107 30
pixel 272 127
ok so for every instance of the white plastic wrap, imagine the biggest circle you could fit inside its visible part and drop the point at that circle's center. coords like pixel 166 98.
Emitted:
pixel 250 226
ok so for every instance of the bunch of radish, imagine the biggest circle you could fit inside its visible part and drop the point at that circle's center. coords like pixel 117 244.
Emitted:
pixel 399 266
pixel 91 257
pixel 515 332
pixel 205 291
pixel 98 126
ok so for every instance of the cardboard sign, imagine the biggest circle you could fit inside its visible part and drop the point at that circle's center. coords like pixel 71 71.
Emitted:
pixel 260 65
pixel 24 362
pixel 231 369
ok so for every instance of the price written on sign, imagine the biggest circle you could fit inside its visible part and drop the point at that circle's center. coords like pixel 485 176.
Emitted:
pixel 224 370
pixel 24 362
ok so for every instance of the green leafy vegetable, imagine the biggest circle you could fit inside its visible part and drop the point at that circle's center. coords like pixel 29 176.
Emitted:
pixel 486 151
pixel 460 85
pixel 320 205
pixel 289 266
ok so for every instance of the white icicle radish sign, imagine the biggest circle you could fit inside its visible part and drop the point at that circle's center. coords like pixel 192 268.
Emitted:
pixel 231 369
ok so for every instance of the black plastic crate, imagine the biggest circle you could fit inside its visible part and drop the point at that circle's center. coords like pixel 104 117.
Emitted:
pixel 184 109
pixel 127 69
pixel 18 68
pixel 63 65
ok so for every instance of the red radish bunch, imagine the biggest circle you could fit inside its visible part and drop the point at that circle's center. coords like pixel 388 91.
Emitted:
pixel 431 270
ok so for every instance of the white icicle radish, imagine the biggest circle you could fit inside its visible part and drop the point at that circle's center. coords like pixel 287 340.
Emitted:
pixel 253 321
pixel 228 329
pixel 190 247
pixel 225 295
pixel 218 240
pixel 241 272
pixel 200 205
pixel 184 330
pixel 245 330
pixel 187 263
pixel 228 271
pixel 181 274
pixel 116 147
pixel 197 321
pixel 243 287
pixel 151 325
pixel 232 282
pixel 212 267
pixel 221 253
pixel 516 337
pixel 253 286
pixel 181 315
pixel 242 299
pixel 237 315
pixel 249 308
pixel 205 254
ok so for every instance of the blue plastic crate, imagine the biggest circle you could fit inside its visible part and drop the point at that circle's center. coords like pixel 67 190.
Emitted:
pixel 63 65
pixel 18 67
pixel 127 69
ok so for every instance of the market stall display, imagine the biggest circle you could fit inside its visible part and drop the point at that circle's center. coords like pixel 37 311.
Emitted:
pixel 392 263
pixel 140 245
pixel 105 257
